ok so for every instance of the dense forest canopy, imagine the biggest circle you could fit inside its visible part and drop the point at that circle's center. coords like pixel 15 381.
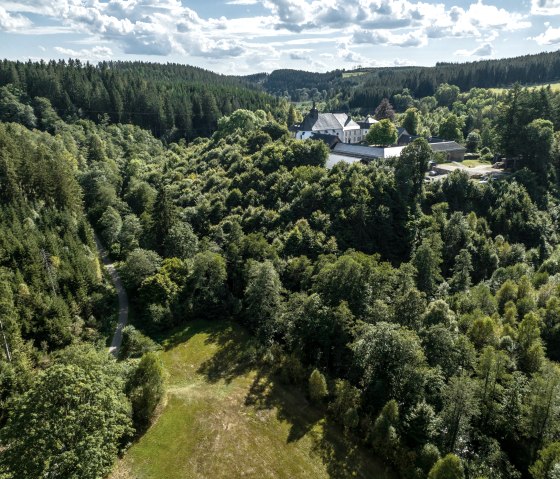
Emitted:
pixel 424 318
pixel 173 101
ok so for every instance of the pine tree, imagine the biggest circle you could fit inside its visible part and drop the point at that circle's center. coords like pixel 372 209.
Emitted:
pixel 385 111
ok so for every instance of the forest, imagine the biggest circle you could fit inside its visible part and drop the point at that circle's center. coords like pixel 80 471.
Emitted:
pixel 362 89
pixel 172 101
pixel 424 317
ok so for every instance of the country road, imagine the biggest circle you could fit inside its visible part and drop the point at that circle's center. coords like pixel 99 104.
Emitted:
pixel 123 297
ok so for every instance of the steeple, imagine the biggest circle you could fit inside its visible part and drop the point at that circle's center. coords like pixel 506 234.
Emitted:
pixel 314 113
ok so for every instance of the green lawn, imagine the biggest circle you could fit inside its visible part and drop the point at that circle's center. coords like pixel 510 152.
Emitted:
pixel 553 86
pixel 353 74
pixel 475 163
pixel 222 418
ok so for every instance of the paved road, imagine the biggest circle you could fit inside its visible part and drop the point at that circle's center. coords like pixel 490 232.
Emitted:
pixel 123 298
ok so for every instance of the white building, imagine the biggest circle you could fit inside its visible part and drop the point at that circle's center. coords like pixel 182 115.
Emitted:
pixel 337 124
pixel 353 153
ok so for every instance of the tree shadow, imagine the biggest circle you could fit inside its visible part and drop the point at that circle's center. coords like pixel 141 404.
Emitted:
pixel 177 336
pixel 343 455
pixel 267 393
pixel 235 355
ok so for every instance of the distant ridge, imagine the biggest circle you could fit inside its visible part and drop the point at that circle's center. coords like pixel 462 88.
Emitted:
pixel 365 87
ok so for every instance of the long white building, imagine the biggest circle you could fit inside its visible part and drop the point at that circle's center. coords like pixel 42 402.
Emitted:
pixel 337 124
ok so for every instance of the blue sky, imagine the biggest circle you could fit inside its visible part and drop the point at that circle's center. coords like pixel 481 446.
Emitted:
pixel 247 36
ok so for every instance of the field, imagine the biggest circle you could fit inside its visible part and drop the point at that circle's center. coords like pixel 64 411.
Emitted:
pixel 353 74
pixel 223 418
pixel 553 86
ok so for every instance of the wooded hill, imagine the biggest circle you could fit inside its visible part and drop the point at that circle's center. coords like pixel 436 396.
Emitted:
pixel 180 101
pixel 173 101
pixel 365 88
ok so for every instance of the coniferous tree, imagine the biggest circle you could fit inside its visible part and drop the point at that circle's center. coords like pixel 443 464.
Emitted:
pixel 384 111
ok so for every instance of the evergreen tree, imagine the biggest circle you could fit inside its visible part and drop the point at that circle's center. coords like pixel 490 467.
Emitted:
pixel 317 386
pixel 163 217
pixel 384 111
pixel 448 467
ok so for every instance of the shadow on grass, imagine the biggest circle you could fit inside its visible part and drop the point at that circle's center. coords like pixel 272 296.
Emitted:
pixel 184 332
pixel 235 355
pixel 341 454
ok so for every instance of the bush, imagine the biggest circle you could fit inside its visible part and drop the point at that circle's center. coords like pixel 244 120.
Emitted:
pixel 292 371
pixel 317 386
pixel 145 389
pixel 135 344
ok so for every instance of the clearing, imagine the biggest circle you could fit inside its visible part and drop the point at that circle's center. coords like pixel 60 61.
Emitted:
pixel 553 87
pixel 354 74
pixel 222 418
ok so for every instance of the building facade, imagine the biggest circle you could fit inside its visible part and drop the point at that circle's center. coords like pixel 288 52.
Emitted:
pixel 337 124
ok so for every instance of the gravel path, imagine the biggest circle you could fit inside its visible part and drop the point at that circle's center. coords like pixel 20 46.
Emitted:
pixel 123 298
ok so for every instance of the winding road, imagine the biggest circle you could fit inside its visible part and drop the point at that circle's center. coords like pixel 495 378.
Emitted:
pixel 123 297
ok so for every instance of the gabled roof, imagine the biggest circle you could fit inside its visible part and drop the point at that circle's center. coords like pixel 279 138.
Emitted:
pixel 315 121
pixel 366 124
pixel 402 131
pixel 358 151
pixel 447 146
pixel 330 140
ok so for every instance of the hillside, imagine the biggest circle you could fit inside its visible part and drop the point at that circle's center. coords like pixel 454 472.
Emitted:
pixel 226 418
pixel 425 317
pixel 173 101
pixel 365 87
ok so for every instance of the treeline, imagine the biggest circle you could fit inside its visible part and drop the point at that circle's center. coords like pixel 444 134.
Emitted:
pixel 365 88
pixel 292 83
pixel 527 70
pixel 172 101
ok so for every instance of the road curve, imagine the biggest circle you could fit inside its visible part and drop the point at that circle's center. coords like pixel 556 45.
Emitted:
pixel 123 297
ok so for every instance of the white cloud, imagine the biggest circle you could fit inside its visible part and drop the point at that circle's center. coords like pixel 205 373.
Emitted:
pixel 95 53
pixel 550 37
pixel 479 20
pixel 545 7
pixel 287 31
pixel 145 27
pixel 345 54
pixel 484 50
pixel 411 39
pixel 242 2
pixel 10 22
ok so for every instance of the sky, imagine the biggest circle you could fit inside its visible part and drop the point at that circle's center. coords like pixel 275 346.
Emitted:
pixel 250 36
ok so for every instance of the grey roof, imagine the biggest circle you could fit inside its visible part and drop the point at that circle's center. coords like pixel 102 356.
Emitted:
pixel 327 121
pixel 358 151
pixel 447 146
pixel 330 140
pixel 333 159
pixel 370 120
pixel 366 124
